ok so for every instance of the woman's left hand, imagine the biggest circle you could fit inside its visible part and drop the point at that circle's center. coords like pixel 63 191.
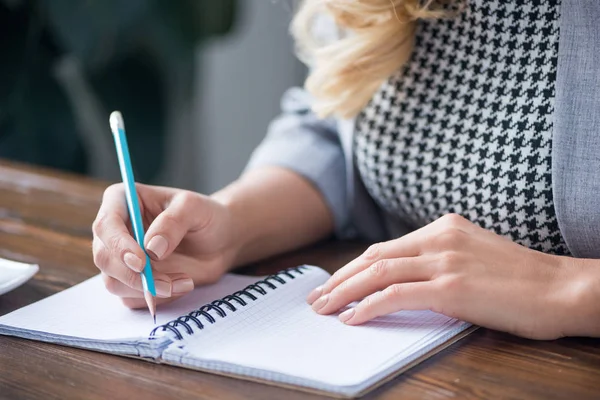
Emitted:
pixel 456 268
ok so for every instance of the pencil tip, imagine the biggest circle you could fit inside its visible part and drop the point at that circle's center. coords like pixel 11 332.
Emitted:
pixel 151 305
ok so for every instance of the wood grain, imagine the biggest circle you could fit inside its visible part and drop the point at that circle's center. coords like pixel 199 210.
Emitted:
pixel 54 200
pixel 45 217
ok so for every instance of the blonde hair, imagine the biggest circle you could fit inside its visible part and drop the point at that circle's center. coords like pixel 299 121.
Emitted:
pixel 375 39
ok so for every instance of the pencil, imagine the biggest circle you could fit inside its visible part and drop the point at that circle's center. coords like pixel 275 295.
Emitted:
pixel 118 129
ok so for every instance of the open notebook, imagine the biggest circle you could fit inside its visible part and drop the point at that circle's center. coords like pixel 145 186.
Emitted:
pixel 252 328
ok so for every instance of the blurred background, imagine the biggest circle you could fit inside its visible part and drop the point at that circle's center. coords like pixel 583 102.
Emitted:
pixel 197 81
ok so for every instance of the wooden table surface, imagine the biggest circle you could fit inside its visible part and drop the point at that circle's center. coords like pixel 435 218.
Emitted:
pixel 45 218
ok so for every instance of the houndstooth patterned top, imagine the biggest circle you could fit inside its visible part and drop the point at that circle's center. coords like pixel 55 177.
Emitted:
pixel 466 125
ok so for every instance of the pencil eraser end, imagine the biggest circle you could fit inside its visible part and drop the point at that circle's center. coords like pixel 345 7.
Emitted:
pixel 116 121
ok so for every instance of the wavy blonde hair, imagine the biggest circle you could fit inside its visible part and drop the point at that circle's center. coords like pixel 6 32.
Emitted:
pixel 374 39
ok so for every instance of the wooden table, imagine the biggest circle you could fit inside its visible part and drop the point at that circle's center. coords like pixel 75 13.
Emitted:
pixel 45 218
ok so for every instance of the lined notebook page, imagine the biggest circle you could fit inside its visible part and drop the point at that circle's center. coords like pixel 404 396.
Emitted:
pixel 88 311
pixel 281 338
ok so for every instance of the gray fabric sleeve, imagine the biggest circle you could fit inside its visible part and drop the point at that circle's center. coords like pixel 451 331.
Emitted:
pixel 299 141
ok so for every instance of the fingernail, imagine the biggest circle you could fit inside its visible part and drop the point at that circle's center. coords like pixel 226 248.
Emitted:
pixel 315 294
pixel 183 286
pixel 158 246
pixel 320 303
pixel 163 288
pixel 346 315
pixel 133 262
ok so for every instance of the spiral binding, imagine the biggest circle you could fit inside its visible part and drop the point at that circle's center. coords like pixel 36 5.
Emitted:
pixel 241 298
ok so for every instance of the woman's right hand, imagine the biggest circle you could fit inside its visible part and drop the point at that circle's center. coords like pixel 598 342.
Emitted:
pixel 189 238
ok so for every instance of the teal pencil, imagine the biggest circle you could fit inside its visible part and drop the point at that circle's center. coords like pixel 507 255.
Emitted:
pixel 118 129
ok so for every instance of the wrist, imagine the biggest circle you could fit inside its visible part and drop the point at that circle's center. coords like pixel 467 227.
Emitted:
pixel 273 210
pixel 238 232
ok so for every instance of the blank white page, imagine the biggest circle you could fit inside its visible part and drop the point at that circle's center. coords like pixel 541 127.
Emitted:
pixel 281 338
pixel 88 311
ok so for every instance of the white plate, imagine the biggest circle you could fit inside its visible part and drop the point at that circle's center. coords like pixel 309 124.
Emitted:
pixel 13 274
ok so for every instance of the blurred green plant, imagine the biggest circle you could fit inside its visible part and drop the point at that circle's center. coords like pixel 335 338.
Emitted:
pixel 63 58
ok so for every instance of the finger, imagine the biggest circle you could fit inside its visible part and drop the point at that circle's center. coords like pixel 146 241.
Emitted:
pixel 377 276
pixel 100 253
pixel 121 246
pixel 200 271
pixel 113 268
pixel 187 211
pixel 443 231
pixel 162 284
pixel 110 227
pixel 180 284
pixel 175 276
pixel 113 201
pixel 106 263
pixel 137 303
pixel 406 246
pixel 403 296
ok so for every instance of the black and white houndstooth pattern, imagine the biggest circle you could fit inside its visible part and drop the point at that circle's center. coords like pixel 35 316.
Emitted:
pixel 466 127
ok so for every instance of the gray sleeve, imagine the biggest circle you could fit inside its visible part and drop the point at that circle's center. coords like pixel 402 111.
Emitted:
pixel 299 141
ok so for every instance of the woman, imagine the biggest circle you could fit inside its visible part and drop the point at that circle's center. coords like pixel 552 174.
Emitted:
pixel 460 138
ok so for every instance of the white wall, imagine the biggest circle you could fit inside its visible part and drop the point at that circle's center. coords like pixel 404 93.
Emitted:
pixel 242 77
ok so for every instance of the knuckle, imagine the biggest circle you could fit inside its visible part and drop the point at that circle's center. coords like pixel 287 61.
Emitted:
pixel 188 199
pixel 369 301
pixel 451 238
pixel 379 268
pixel 392 292
pixel 131 279
pixel 335 280
pixel 373 252
pixel 452 219
pixel 448 261
pixel 116 245
pixel 450 286
pixel 99 224
pixel 114 188
pixel 100 256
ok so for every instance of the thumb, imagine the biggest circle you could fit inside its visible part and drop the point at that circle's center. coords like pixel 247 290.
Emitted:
pixel 187 211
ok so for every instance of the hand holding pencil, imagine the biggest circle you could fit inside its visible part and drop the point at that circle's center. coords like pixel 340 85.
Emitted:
pixel 188 239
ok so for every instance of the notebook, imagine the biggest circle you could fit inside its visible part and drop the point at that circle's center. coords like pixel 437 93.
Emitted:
pixel 256 328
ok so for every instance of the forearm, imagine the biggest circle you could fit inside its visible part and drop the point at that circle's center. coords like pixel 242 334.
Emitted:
pixel 274 210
